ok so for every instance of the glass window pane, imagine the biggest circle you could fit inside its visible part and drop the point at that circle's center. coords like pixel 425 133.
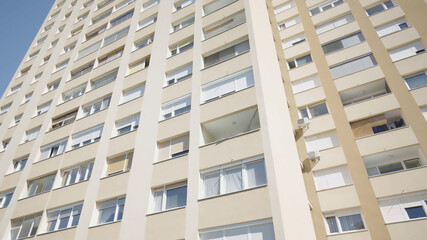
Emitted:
pixel 256 174
pixel 107 215
pixel 332 224
pixel 318 110
pixel 392 167
pixel 176 197
pixel 412 163
pixel 415 212
pixel 351 223
pixel 211 184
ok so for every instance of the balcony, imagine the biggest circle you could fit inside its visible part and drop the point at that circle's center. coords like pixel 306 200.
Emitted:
pixel 394 161
pixel 377 124
pixel 364 92
pixel 229 126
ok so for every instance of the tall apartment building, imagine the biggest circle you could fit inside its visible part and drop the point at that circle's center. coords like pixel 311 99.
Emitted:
pixel 219 119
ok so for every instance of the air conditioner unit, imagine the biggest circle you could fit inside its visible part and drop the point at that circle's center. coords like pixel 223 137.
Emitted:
pixel 314 155
pixel 303 122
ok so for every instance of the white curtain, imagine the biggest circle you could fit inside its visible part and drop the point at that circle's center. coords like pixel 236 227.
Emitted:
pixel 211 183
pixel 233 179
pixel 92 48
pixel 262 232
pixel 158 199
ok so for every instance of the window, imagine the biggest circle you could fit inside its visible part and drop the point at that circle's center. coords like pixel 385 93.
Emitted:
pixel 53 149
pixel 15 89
pixel 64 217
pixel 36 78
pixel 54 43
pixel 305 84
pixel 383 168
pixel 224 25
pixel 182 4
pixel 52 85
pixel 77 174
pixel 5 143
pixel 392 27
pixel 91 49
pixel 45 60
pixel 101 81
pixel 332 178
pixel 127 125
pixel 88 136
pixel 183 23
pixel 344 42
pixel 149 4
pixel 82 71
pixel 148 21
pixel 76 31
pixel 416 81
pixel 216 5
pixel 64 119
pixel 121 19
pixel 257 230
pixel 119 164
pixel 5 198
pixel 352 66
pixel 325 6
pixel 344 221
pixel 5 108
pixel 110 56
pixel 96 32
pixel 76 92
pixel 17 119
pixel 379 8
pixel 87 4
pixel 82 17
pixel 176 107
pixel 404 207
pixel 300 61
pixel 313 110
pixel 40 185
pixel 24 227
pixel 116 36
pixel 406 51
pixel 99 18
pixel 229 84
pixel 123 4
pixel 364 92
pixel 69 47
pixel 173 147
pixel 41 40
pixel 61 28
pixel 181 47
pixel 226 53
pixel 322 141
pixel 424 111
pixel 25 71
pixel 31 134
pixel 19 164
pixel 289 23
pixel 111 210
pixel 133 93
pixel 233 177
pixel 96 106
pixel 284 7
pixel 293 41
pixel 33 55
pixel 179 75
pixel 104 4
pixel 139 65
pixel 54 15
pixel 42 109
pixel 144 42
pixel 169 197
pixel 48 27
pixel 61 66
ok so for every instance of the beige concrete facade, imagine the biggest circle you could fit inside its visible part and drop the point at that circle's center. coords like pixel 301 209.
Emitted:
pixel 219 119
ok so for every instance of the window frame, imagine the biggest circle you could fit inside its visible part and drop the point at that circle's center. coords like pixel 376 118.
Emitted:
pixel 307 108
pixel 5 198
pixel 186 98
pixel 74 211
pixel 164 190
pixel 33 185
pixel 117 207
pixel 104 104
pixel 65 175
pixel 342 213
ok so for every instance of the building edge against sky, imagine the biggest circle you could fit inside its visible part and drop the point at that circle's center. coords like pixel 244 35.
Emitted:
pixel 218 119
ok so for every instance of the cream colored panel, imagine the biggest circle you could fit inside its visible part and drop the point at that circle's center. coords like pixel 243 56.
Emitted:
pixel 310 96
pixel 105 232
pixel 44 167
pixel 90 121
pixel 235 208
pixel 121 143
pixel 183 12
pixel 397 138
pixel 338 32
pixel 371 107
pixel 10 181
pixel 227 105
pixel 280 17
pixel 32 204
pixel 181 34
pixel 163 175
pixel 177 60
pixel 320 124
pixel 68 195
pixel 225 38
pixel 396 39
pixel 113 186
pixel 129 108
pixel 24 149
pixel 420 96
pixel 348 53
pixel 291 31
pixel 65 234
pixel 330 158
pixel 176 90
pixel 410 230
pixel 359 78
pixel 140 53
pixel 236 148
pixel 386 16
pixel 79 155
pixel 174 126
pixel 338 198
pixel 140 76
pixel 412 64
pixel 173 221
pixel 297 50
pixel 363 235
pixel 222 13
pixel 399 182
pixel 330 13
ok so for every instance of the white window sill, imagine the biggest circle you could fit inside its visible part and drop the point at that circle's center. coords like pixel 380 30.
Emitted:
pixel 332 188
pixel 230 193
pixel 103 224
pixel 164 211
pixel 396 172
pixel 347 232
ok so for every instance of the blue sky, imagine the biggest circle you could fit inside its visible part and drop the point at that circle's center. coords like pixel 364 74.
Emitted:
pixel 20 20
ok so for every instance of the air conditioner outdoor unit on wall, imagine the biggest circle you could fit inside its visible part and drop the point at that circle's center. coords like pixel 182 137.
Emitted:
pixel 303 122
pixel 314 155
